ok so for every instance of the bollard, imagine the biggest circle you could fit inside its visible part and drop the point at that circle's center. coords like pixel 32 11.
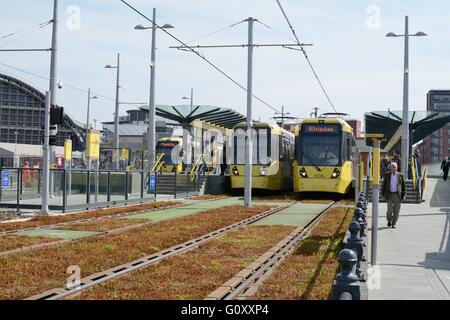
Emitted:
pixel 363 200
pixel 361 205
pixel 361 218
pixel 356 243
pixel 347 280
pixel 363 208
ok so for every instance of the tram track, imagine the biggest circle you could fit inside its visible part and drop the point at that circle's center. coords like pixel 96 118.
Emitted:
pixel 246 282
pixel 118 271
pixel 72 222
pixel 98 234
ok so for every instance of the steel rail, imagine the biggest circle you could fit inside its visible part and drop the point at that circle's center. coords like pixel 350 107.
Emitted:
pixel 271 259
pixel 116 215
pixel 118 271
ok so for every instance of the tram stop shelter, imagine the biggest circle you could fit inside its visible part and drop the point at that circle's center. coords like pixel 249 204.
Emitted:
pixel 185 115
pixel 389 123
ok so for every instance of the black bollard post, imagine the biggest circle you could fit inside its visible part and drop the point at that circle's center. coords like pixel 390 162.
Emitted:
pixel 356 243
pixel 360 217
pixel 347 280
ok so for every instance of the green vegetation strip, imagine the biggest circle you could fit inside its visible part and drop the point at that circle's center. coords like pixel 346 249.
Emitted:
pixel 308 273
pixel 52 220
pixel 103 225
pixel 58 234
pixel 297 215
pixel 32 272
pixel 194 274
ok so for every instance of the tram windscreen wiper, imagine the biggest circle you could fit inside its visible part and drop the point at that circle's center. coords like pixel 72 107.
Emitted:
pixel 312 162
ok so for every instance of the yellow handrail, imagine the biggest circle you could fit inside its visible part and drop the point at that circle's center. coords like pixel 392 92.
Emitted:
pixel 158 163
pixel 196 167
pixel 413 171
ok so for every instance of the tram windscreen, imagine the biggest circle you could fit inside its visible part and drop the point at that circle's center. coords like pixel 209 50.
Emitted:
pixel 320 145
pixel 170 150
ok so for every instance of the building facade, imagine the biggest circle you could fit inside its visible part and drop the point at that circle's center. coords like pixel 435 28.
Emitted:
pixel 22 110
pixel 437 145
pixel 133 130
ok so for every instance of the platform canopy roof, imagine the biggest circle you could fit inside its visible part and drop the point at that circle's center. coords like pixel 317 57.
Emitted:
pixel 389 123
pixel 183 114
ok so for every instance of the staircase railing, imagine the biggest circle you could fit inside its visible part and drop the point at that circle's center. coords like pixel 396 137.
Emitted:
pixel 158 163
pixel 199 163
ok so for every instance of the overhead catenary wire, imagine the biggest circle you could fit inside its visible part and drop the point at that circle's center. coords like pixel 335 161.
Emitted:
pixel 306 56
pixel 215 32
pixel 45 78
pixel 201 56
pixel 29 32
pixel 40 25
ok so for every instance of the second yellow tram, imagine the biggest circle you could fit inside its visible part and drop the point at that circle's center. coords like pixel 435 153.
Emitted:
pixel 273 152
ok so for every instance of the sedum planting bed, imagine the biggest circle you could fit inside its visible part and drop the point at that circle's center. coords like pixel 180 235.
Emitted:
pixel 308 273
pixel 13 242
pixel 194 274
pixel 49 220
pixel 32 272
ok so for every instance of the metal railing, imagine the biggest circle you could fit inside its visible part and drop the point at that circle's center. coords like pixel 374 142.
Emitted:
pixel 81 189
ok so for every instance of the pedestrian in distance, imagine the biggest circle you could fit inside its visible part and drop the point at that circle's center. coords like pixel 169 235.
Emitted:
pixel 445 166
pixel 398 160
pixel 394 191
pixel 385 166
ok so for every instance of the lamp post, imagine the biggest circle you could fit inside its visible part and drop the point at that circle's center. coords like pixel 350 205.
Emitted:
pixel 116 114
pixel 405 120
pixel 190 98
pixel 88 160
pixel 151 112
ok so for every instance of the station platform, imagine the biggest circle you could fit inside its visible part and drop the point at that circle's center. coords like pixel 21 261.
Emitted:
pixel 413 260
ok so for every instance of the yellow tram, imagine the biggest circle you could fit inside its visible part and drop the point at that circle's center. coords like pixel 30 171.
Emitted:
pixel 323 156
pixel 273 153
pixel 171 152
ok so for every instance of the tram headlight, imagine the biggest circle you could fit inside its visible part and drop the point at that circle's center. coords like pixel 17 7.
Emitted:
pixel 235 171
pixel 264 171
pixel 303 173
pixel 336 174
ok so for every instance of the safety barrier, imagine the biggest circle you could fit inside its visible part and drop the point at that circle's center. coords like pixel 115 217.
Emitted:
pixel 351 282
pixel 79 189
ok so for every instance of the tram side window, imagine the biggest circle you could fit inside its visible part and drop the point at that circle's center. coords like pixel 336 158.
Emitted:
pixel 347 147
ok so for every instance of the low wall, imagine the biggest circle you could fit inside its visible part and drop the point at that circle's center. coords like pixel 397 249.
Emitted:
pixel 217 185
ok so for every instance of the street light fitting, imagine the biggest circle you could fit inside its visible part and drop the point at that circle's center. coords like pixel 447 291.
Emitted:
pixel 165 26
pixel 392 34
pixel 420 34
pixel 108 66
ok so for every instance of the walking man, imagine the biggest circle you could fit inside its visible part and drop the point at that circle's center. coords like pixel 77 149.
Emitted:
pixel 445 166
pixel 394 191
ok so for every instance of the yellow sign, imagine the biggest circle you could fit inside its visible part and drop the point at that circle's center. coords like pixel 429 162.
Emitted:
pixel 68 150
pixel 93 144
pixel 124 154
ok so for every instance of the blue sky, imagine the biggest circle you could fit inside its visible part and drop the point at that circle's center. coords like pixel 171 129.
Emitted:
pixel 360 67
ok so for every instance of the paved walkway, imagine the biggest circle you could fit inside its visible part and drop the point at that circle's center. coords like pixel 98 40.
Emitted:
pixel 414 258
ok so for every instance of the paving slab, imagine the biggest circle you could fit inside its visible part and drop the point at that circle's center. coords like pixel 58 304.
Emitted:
pixel 187 210
pixel 413 260
pixel 297 215
pixel 53 233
